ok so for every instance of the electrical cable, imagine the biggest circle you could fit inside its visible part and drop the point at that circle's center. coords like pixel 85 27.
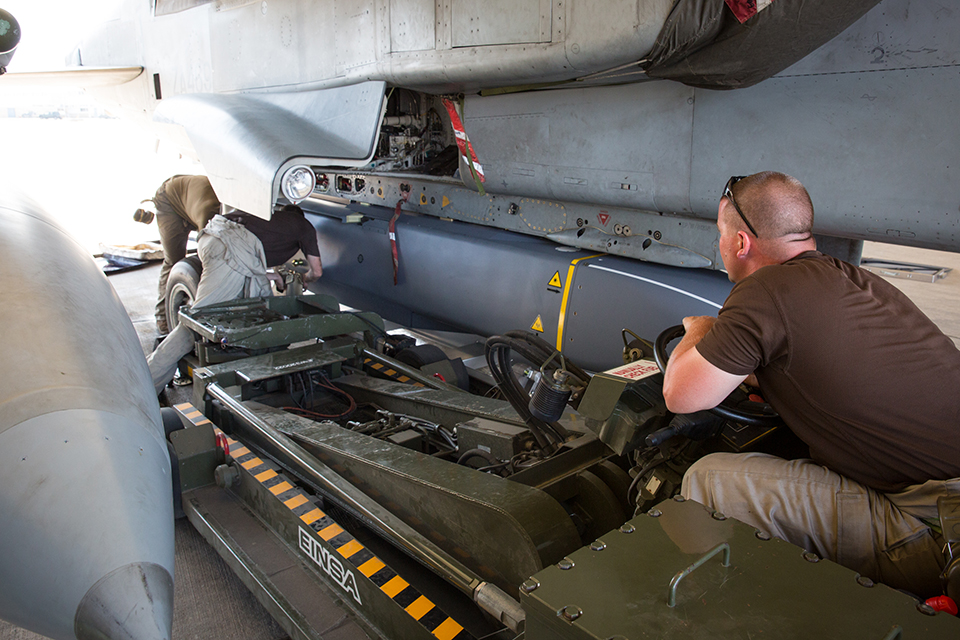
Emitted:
pixel 537 351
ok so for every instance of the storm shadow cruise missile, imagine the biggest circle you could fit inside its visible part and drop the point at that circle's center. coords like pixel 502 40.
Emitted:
pixel 86 538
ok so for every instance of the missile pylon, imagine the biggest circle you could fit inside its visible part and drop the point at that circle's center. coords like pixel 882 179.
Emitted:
pixel 86 513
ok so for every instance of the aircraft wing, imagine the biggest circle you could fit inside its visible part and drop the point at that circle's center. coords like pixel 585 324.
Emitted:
pixel 81 77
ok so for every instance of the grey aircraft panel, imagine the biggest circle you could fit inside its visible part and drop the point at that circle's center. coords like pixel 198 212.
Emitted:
pixel 878 162
pixel 486 22
pixel 896 35
pixel 413 25
pixel 242 139
pixel 618 146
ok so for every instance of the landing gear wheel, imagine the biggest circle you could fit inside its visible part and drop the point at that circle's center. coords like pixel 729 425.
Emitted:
pixel 737 407
pixel 182 287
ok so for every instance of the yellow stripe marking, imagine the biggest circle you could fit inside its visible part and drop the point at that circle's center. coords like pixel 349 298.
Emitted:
pixel 447 630
pixel 183 406
pixel 566 296
pixel 192 415
pixel 331 531
pixel 394 586
pixel 280 488
pixel 371 566
pixel 350 548
pixel 251 463
pixel 390 372
pixel 236 453
pixel 197 423
pixel 296 501
pixel 377 365
pixel 403 379
pixel 311 516
pixel 419 607
pixel 265 475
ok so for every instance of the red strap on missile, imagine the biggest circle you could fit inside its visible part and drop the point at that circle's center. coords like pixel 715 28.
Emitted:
pixel 746 9
pixel 393 240
pixel 468 155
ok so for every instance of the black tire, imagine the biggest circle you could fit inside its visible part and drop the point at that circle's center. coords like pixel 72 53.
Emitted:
pixel 182 287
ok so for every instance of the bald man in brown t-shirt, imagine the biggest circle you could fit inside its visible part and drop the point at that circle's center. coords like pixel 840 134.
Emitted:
pixel 855 370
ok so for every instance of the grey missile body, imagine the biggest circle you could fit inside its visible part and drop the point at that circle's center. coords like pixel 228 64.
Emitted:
pixel 85 480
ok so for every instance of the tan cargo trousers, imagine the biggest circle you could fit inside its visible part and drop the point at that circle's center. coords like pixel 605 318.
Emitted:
pixel 234 266
pixel 882 536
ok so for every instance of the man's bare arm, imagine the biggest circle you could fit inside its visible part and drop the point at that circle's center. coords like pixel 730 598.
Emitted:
pixel 691 383
pixel 316 269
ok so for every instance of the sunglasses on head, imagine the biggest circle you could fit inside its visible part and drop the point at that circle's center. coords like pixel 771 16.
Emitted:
pixel 728 193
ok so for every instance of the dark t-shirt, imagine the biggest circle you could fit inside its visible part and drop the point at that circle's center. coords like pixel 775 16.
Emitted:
pixel 282 236
pixel 855 369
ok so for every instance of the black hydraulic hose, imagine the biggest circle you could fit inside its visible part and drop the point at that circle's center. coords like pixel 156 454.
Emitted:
pixel 547 350
pixel 511 389
pixel 478 453
pixel 537 351
pixel 520 398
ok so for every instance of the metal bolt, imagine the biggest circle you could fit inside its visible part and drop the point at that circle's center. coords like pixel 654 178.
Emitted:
pixel 566 564
pixel 926 609
pixel 598 545
pixel 864 581
pixel 679 498
pixel 654 513
pixel 810 556
pixel 570 612
pixel 530 585
pixel 226 476
pixel 627 528
pixel 716 515
pixel 762 535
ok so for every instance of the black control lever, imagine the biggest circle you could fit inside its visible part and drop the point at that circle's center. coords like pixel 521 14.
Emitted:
pixel 696 426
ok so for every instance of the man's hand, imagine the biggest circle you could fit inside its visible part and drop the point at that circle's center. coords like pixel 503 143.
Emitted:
pixel 316 269
pixel 277 279
pixel 696 327
pixel 690 383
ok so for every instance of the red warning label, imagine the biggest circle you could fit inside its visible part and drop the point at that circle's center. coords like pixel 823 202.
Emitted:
pixel 603 217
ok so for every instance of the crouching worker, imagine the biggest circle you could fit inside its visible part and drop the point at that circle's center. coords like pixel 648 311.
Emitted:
pixel 184 204
pixel 855 370
pixel 236 249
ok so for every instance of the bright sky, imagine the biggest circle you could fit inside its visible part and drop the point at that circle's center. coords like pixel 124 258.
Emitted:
pixel 52 28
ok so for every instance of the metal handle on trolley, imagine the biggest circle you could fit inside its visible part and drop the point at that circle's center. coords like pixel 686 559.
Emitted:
pixel 723 546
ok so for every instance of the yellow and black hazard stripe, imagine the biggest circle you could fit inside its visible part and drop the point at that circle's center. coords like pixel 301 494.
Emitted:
pixel 418 606
pixel 192 414
pixel 383 370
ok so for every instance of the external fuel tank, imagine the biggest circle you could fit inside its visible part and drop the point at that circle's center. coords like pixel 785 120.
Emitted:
pixel 85 479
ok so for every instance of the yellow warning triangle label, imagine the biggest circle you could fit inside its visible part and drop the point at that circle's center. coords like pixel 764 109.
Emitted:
pixel 537 325
pixel 445 201
pixel 555 282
